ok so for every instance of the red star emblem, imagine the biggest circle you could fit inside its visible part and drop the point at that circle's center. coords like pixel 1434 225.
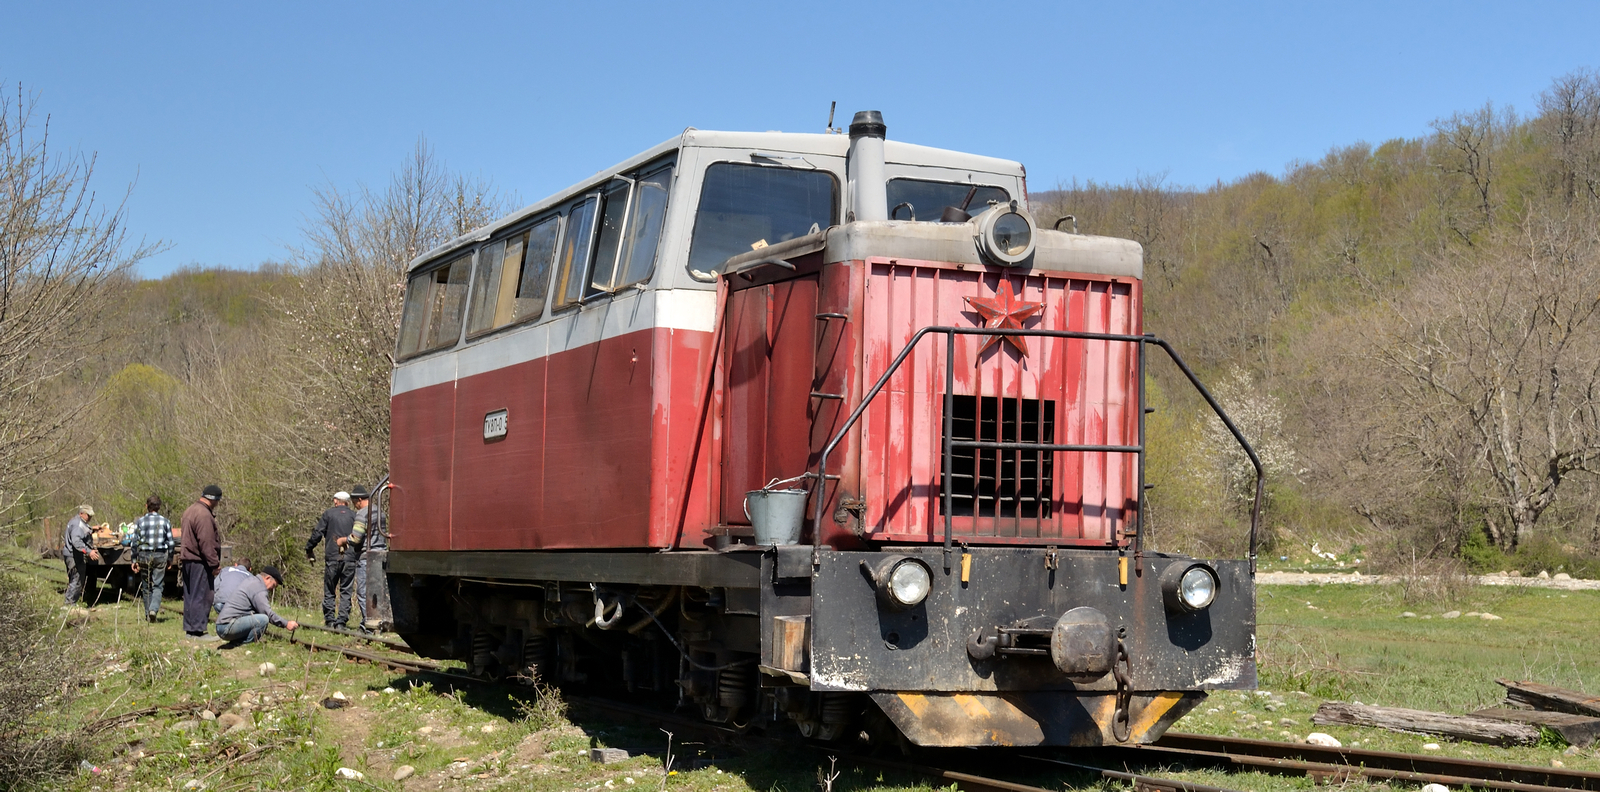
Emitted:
pixel 1004 311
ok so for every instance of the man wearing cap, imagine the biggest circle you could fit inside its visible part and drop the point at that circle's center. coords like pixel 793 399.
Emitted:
pixel 246 611
pixel 339 570
pixel 367 534
pixel 201 559
pixel 77 551
pixel 152 549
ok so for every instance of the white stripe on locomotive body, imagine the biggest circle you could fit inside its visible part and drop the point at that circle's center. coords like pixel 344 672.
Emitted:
pixel 675 309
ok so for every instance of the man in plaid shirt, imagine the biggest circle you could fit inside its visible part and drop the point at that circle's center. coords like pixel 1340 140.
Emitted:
pixel 152 550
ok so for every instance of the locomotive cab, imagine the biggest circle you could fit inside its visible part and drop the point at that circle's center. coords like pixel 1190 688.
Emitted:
pixel 940 401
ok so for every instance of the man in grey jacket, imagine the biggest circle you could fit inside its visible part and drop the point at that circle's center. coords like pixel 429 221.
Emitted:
pixel 227 580
pixel 77 551
pixel 247 611
pixel 368 533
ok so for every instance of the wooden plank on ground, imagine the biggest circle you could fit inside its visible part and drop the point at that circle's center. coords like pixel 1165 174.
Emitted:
pixel 1579 730
pixel 1458 727
pixel 1549 698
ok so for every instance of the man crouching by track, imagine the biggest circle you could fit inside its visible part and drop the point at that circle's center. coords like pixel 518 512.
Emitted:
pixel 246 611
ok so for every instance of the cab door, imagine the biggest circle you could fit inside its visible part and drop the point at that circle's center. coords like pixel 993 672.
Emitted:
pixel 769 364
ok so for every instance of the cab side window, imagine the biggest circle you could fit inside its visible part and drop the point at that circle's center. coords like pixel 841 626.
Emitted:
pixel 630 231
pixel 573 258
pixel 512 277
pixel 612 237
pixel 435 303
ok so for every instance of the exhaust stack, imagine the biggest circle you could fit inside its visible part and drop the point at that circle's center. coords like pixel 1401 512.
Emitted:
pixel 868 196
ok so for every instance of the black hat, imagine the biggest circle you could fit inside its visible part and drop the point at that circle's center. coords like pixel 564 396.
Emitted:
pixel 359 493
pixel 212 492
pixel 272 572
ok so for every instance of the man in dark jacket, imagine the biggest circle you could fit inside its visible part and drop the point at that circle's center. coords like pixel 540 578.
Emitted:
pixel 201 559
pixel 339 570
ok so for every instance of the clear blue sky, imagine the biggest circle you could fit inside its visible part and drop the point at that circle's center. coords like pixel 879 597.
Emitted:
pixel 227 114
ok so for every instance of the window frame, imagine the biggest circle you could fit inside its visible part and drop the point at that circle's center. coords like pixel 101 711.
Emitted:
pixel 835 206
pixel 560 220
pixel 590 290
pixel 598 194
pixel 470 257
pixel 643 175
pixel 891 179
pixel 558 302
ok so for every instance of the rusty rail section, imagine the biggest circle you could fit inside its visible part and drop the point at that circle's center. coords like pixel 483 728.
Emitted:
pixel 1337 764
pixel 398 646
pixel 949 444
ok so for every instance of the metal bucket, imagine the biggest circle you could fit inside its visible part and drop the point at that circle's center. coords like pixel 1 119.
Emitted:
pixel 777 515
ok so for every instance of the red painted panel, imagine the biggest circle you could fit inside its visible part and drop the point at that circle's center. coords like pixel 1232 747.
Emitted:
pixel 771 339
pixel 420 453
pixel 791 374
pixel 575 468
pixel 681 500
pixel 597 446
pixel 499 487
pixel 1092 384
pixel 746 353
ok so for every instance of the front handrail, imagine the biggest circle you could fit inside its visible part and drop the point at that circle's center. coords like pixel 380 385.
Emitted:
pixel 950 444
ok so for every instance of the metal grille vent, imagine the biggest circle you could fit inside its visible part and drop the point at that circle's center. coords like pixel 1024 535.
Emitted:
pixel 1001 483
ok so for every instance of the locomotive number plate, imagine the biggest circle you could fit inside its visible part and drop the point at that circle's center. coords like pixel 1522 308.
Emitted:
pixel 494 425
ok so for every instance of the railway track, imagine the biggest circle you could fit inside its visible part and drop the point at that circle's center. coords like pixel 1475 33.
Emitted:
pixel 964 780
pixel 1326 765
pixel 1334 765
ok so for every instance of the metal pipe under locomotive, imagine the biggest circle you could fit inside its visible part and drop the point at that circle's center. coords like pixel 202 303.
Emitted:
pixel 947 397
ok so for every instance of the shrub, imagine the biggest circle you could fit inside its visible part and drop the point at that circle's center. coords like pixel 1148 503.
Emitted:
pixel 37 677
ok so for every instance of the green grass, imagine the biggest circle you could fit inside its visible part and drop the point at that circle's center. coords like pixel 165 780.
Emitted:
pixel 1317 643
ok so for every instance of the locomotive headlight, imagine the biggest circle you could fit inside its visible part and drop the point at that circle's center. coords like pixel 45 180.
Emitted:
pixel 909 583
pixel 1198 588
pixel 1006 234
pixel 901 581
pixel 1189 588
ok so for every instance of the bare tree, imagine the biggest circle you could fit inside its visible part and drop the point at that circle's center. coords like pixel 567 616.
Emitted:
pixel 61 253
pixel 336 349
pixel 1467 149
pixel 1570 120
pixel 1498 357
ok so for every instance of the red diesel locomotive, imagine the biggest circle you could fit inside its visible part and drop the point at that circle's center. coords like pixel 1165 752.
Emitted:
pixel 804 427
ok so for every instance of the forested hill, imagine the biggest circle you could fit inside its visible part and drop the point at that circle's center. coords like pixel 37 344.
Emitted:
pixel 1409 332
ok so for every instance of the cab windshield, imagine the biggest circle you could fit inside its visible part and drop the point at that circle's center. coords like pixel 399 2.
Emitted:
pixel 928 199
pixel 748 207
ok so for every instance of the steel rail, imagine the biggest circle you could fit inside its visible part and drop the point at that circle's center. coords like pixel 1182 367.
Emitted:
pixel 966 781
pixel 399 646
pixel 1316 760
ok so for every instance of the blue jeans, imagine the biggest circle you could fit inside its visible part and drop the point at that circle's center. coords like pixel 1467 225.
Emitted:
pixel 361 590
pixel 243 629
pixel 152 578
